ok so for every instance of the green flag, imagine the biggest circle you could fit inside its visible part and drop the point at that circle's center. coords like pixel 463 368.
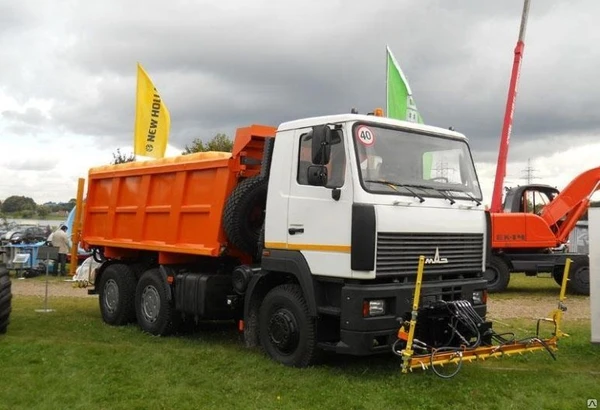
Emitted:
pixel 400 102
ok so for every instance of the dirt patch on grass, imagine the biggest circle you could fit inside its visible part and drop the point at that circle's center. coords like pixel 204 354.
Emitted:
pixel 62 287
pixel 524 305
pixel 535 306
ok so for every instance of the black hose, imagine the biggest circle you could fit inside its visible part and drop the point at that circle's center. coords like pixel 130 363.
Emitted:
pixel 450 349
pixel 95 252
pixel 537 339
pixel 502 340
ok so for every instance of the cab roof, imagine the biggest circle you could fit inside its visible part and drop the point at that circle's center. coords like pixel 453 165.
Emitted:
pixel 340 118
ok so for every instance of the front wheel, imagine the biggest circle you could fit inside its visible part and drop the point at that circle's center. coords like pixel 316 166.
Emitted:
pixel 497 274
pixel 287 332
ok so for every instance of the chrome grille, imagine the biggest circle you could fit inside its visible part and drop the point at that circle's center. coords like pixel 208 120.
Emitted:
pixel 398 253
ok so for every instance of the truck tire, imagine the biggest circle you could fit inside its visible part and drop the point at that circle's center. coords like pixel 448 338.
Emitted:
pixel 243 215
pixel 579 276
pixel 497 274
pixel 116 296
pixel 286 331
pixel 261 243
pixel 558 276
pixel 155 313
pixel 5 299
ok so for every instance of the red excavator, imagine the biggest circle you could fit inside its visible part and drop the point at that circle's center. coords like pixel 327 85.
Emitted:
pixel 532 228
pixel 526 234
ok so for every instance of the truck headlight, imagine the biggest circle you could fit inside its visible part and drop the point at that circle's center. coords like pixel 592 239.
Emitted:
pixel 479 297
pixel 374 307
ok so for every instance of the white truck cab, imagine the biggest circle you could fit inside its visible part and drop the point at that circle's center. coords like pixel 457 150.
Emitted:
pixel 353 201
pixel 386 180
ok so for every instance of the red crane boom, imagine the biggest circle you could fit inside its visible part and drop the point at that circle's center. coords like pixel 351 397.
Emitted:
pixel 508 115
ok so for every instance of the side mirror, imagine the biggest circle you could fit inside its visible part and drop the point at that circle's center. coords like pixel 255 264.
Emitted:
pixel 317 175
pixel 321 144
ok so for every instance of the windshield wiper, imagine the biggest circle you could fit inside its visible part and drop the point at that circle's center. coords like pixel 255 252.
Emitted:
pixel 472 198
pixel 445 194
pixel 407 186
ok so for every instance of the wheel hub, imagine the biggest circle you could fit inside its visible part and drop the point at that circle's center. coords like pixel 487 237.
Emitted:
pixel 490 274
pixel 283 330
pixel 111 295
pixel 150 304
pixel 582 275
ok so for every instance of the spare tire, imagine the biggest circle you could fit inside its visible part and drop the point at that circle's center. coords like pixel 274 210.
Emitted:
pixel 5 299
pixel 244 214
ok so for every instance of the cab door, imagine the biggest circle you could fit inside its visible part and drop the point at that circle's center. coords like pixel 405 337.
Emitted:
pixel 319 225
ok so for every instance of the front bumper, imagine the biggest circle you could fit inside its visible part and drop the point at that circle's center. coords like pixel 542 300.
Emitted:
pixel 361 335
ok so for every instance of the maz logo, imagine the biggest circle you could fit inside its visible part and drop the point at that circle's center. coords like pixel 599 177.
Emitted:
pixel 436 258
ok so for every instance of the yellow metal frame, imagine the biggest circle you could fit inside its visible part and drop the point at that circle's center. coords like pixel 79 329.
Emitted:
pixel 424 361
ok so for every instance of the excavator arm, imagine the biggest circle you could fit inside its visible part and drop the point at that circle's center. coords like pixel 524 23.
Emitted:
pixel 563 212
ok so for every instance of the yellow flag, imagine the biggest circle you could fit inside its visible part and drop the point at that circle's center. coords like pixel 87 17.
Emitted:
pixel 152 119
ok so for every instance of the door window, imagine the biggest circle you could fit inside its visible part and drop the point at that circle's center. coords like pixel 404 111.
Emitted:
pixel 336 167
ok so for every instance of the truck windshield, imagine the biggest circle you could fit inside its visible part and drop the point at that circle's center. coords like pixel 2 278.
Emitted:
pixel 396 161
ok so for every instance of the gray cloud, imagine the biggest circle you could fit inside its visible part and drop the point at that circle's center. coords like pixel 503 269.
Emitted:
pixel 31 164
pixel 224 65
pixel 13 17
pixel 31 116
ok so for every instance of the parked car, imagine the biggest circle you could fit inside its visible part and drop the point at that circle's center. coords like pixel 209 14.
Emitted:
pixel 25 234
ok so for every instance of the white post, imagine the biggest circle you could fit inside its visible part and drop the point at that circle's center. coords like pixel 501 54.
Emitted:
pixel 594 253
pixel 45 309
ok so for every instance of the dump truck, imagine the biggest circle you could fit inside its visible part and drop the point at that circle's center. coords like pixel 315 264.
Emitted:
pixel 308 235
pixel 531 232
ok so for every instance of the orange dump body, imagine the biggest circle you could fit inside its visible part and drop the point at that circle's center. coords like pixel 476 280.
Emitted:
pixel 172 206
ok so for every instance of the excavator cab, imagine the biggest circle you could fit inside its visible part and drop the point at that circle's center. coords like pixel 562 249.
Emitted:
pixel 530 198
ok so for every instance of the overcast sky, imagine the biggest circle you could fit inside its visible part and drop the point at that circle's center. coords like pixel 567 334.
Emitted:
pixel 68 76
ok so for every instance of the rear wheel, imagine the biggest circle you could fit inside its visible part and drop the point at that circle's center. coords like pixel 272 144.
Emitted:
pixel 117 292
pixel 5 299
pixel 497 274
pixel 287 332
pixel 579 276
pixel 155 313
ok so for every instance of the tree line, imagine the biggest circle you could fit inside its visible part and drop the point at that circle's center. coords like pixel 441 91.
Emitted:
pixel 20 206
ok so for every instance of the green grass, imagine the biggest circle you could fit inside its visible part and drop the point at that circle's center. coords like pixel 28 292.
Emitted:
pixel 542 285
pixel 70 359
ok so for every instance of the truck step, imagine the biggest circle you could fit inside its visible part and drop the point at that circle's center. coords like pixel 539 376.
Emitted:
pixel 327 346
pixel 329 310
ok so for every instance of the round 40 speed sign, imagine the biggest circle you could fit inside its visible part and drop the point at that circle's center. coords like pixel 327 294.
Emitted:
pixel 365 135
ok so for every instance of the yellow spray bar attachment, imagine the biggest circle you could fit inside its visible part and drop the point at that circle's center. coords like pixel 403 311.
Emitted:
pixel 408 352
pixel 456 356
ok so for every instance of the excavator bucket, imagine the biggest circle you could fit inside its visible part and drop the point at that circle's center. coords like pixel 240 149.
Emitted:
pixel 436 357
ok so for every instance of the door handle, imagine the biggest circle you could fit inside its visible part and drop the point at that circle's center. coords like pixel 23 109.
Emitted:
pixel 294 231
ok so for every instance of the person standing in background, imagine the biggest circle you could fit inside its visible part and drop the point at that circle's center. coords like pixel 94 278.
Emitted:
pixel 61 241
